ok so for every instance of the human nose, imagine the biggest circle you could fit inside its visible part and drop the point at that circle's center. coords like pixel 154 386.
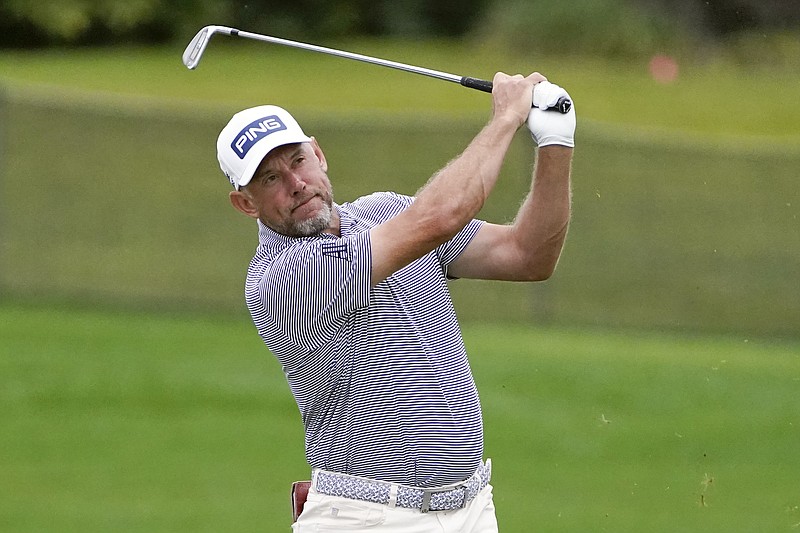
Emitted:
pixel 296 182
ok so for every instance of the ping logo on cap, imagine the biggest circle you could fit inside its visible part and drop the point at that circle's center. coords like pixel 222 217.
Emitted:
pixel 254 132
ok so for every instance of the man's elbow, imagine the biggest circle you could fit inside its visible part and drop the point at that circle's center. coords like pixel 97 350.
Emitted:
pixel 540 269
pixel 541 274
pixel 540 262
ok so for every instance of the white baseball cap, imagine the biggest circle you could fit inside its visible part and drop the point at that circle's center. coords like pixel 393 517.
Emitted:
pixel 250 135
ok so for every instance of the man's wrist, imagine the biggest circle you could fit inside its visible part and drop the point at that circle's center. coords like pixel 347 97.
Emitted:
pixel 506 120
pixel 555 150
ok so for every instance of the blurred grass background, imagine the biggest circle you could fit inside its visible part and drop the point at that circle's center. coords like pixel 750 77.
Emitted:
pixel 652 384
pixel 690 228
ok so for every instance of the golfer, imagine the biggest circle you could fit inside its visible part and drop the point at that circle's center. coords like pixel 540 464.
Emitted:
pixel 352 299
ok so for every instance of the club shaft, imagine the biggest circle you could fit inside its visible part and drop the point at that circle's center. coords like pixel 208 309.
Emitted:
pixel 195 49
pixel 349 55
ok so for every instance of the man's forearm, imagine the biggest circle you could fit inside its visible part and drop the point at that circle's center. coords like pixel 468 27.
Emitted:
pixel 442 208
pixel 540 227
pixel 459 190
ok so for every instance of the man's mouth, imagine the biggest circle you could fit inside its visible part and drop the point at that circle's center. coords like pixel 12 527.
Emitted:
pixel 303 203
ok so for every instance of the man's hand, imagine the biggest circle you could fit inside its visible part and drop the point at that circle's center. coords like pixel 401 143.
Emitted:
pixel 512 96
pixel 547 95
pixel 546 127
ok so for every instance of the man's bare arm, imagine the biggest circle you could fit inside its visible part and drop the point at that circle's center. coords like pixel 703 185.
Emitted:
pixel 456 194
pixel 528 249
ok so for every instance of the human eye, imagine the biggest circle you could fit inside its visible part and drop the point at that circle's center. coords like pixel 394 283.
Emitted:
pixel 268 179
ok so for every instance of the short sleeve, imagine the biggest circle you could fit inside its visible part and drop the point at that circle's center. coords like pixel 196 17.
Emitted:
pixel 449 251
pixel 310 289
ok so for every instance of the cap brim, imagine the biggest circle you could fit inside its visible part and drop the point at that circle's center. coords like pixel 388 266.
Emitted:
pixel 261 150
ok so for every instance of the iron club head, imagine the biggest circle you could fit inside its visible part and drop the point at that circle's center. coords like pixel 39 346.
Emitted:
pixel 194 51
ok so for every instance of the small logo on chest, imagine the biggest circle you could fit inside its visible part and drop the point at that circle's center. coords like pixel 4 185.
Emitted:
pixel 337 250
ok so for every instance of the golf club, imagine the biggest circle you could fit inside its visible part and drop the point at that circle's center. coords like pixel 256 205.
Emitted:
pixel 194 51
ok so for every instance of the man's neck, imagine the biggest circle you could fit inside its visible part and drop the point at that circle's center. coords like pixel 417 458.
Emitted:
pixel 335 227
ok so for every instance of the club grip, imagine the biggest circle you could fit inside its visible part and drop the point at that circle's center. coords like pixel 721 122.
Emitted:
pixel 475 83
pixel 563 105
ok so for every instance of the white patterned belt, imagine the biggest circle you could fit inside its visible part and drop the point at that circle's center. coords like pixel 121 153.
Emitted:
pixel 371 490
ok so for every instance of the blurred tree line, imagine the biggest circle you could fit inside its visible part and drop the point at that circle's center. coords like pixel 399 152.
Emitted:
pixel 610 27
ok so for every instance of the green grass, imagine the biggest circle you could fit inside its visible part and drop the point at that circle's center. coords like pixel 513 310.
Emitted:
pixel 664 235
pixel 133 422
pixel 141 423
pixel 707 99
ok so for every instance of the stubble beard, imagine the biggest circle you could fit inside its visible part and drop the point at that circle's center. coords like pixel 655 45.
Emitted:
pixel 310 226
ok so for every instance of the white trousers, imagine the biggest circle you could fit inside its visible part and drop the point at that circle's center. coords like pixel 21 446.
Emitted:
pixel 330 513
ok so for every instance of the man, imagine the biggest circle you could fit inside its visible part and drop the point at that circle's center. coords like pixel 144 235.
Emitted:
pixel 352 299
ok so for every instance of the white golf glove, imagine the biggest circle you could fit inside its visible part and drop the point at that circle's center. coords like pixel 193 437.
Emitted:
pixel 551 127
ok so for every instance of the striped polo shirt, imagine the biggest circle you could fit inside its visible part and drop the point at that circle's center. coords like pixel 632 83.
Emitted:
pixel 380 374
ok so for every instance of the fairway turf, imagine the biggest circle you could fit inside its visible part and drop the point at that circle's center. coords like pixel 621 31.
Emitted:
pixel 132 422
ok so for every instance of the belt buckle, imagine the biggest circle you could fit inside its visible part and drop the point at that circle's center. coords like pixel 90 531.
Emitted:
pixel 427 493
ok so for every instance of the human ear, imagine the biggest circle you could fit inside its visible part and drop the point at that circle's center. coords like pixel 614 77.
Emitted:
pixel 323 163
pixel 243 203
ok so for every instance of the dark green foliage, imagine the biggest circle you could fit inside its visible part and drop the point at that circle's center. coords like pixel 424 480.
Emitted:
pixel 600 26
